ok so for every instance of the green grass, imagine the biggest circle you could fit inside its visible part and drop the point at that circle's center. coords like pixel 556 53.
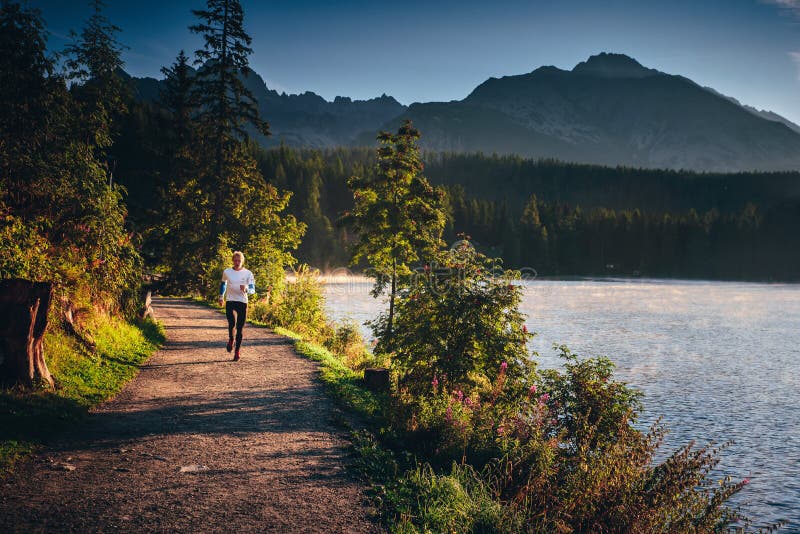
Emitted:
pixel 345 384
pixel 83 379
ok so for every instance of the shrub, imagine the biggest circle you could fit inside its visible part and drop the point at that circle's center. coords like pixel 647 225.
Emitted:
pixel 347 342
pixel 566 458
pixel 299 306
pixel 574 462
pixel 556 451
pixel 459 325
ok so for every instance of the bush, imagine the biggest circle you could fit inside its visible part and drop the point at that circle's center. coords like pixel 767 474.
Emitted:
pixel 459 326
pixel 582 461
pixel 556 451
pixel 347 342
pixel 299 306
pixel 565 458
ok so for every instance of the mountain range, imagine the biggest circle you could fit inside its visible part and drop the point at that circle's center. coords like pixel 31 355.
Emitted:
pixel 607 110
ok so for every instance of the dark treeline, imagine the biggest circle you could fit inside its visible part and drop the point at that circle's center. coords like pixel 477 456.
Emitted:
pixel 514 179
pixel 555 217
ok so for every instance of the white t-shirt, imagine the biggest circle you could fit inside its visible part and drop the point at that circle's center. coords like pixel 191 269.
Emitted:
pixel 235 278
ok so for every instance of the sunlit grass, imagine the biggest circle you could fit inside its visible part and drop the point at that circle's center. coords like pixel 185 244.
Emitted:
pixel 345 384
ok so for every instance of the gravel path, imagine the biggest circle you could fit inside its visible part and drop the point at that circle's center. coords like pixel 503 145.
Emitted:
pixel 198 443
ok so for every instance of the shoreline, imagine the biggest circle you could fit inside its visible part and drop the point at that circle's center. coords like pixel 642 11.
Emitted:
pixel 334 277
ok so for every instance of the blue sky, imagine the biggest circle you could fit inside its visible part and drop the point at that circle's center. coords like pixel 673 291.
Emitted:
pixel 420 51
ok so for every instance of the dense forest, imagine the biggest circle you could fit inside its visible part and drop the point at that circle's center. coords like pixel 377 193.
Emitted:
pixel 555 218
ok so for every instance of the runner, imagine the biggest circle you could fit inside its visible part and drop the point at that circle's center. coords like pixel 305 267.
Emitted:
pixel 237 283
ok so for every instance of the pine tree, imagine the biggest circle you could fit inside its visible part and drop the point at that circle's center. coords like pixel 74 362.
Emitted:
pixel 95 62
pixel 33 107
pixel 226 105
pixel 397 215
pixel 183 203
pixel 244 211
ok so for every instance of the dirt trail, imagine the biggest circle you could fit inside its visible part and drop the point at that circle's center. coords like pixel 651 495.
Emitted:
pixel 261 431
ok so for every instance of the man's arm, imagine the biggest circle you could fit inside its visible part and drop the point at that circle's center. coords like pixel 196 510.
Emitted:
pixel 251 284
pixel 223 286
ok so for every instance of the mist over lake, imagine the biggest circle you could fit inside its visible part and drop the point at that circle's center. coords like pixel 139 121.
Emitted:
pixel 717 360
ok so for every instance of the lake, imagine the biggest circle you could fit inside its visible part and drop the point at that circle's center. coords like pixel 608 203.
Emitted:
pixel 718 360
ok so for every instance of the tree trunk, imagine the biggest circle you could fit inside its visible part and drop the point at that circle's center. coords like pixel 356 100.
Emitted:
pixel 390 334
pixel 23 321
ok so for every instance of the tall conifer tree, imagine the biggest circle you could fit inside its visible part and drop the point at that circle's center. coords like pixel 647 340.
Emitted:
pixel 226 105
pixel 244 209
pixel 183 201
pixel 397 214
pixel 94 61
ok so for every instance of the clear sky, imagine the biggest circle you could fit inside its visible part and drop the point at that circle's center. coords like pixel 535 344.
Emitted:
pixel 429 50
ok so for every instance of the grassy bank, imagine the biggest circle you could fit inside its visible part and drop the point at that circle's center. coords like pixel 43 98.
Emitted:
pixel 401 488
pixel 84 378
pixel 345 384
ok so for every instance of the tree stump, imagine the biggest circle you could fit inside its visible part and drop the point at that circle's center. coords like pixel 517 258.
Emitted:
pixel 148 306
pixel 23 321
pixel 376 378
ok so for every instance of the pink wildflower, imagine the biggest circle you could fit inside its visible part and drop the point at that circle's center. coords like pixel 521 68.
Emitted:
pixel 500 430
pixel 435 382
pixel 449 414
pixel 503 366
pixel 525 328
pixel 544 398
pixel 532 390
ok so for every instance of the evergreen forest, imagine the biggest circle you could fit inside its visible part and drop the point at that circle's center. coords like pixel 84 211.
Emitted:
pixel 550 217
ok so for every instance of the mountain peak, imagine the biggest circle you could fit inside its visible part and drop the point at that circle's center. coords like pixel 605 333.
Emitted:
pixel 606 65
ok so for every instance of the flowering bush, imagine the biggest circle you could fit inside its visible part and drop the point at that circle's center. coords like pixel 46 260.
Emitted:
pixel 501 447
pixel 564 457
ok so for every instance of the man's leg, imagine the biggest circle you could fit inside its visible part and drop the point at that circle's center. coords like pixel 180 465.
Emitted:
pixel 231 322
pixel 241 317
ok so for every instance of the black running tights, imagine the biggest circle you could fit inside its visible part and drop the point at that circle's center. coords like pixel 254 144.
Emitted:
pixel 240 309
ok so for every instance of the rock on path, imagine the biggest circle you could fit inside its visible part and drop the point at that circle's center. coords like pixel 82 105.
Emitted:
pixel 198 443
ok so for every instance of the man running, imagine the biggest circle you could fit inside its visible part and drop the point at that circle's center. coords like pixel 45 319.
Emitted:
pixel 236 284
